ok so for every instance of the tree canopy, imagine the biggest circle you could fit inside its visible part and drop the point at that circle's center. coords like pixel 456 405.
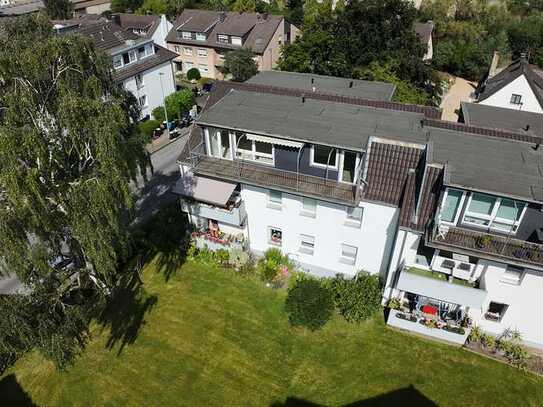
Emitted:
pixel 240 64
pixel 69 145
pixel 58 9
pixel 177 104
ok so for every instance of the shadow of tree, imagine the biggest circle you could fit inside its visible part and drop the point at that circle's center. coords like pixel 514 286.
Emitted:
pixel 155 194
pixel 407 396
pixel 12 394
pixel 125 313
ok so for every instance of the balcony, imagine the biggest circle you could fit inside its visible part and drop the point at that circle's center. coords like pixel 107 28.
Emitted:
pixel 488 246
pixel 259 175
pixel 234 215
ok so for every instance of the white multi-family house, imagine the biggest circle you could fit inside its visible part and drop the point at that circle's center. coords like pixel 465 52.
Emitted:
pixel 141 66
pixel 519 86
pixel 147 26
pixel 449 215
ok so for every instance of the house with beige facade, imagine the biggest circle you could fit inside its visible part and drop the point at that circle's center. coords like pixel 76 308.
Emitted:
pixel 201 38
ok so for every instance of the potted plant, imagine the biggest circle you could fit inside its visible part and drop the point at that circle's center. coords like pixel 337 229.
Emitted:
pixel 394 303
pixel 483 242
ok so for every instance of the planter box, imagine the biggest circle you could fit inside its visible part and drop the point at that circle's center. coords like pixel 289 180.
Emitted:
pixel 436 333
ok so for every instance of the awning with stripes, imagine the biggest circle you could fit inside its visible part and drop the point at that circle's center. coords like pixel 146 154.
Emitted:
pixel 276 141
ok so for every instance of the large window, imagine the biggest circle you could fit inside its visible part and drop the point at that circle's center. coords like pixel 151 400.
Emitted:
pixel 348 254
pixel 322 156
pixel 354 216
pixel 117 61
pixel 223 39
pixel 202 52
pixel 450 208
pixel 219 144
pixel 309 207
pixel 254 150
pixel 500 214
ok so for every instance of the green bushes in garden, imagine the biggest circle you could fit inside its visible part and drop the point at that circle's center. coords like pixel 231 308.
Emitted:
pixel 357 299
pixel 309 303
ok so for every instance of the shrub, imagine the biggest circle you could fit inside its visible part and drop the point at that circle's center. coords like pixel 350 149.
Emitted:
pixel 274 267
pixel 309 304
pixel 455 329
pixel 158 114
pixel 359 298
pixel 488 341
pixel 148 127
pixel 394 303
pixel 517 355
pixel 476 334
pixel 193 74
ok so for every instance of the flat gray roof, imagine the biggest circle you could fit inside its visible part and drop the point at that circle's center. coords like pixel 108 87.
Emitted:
pixel 473 161
pixel 316 121
pixel 326 84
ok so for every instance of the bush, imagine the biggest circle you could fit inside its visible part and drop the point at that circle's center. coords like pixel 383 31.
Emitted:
pixel 177 104
pixel 476 334
pixel 274 267
pixel 359 298
pixel 193 74
pixel 158 114
pixel 309 304
pixel 488 341
pixel 148 127
pixel 394 303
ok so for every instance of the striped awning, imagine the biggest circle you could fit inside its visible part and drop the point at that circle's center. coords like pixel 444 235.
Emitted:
pixel 276 141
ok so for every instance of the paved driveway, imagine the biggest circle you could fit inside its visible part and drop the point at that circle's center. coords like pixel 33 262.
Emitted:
pixel 460 91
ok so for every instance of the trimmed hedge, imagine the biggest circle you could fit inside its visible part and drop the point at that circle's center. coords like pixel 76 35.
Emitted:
pixel 193 74
pixel 359 298
pixel 309 304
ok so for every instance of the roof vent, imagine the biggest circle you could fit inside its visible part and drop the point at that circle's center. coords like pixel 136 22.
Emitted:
pixel 350 84
pixel 527 127
pixel 303 98
pixel 222 16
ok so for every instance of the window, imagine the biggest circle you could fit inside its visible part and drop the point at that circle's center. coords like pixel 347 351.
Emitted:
pixel 512 275
pixel 117 61
pixel 187 51
pixel 321 156
pixel 201 37
pixel 348 254
pixel 516 99
pixel 309 207
pixel 275 199
pixel 219 143
pixel 501 214
pixel 202 52
pixel 139 81
pixel 275 236
pixel 348 170
pixel 141 52
pixel 203 68
pixel 307 244
pixel 149 49
pixel 142 100
pixel 129 57
pixel 235 40
pixel 451 205
pixel 496 311
pixel 223 39
pixel 187 35
pixel 176 48
pixel 254 150
pixel 354 216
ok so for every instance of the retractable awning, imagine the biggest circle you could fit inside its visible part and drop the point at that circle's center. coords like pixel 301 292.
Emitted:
pixel 273 140
pixel 204 189
pixel 441 290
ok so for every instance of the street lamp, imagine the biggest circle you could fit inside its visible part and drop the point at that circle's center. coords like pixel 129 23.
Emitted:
pixel 163 99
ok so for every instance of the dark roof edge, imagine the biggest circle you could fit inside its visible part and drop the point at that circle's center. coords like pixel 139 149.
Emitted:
pixel 489 192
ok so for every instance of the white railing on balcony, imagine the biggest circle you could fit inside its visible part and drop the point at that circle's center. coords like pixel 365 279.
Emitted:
pixel 233 216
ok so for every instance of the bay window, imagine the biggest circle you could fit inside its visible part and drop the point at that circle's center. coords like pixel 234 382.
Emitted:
pixel 500 214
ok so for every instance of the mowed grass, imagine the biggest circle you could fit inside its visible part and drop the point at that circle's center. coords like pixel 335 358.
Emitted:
pixel 213 338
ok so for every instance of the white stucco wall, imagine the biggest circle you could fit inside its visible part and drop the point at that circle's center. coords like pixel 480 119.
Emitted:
pixel 524 302
pixel 164 27
pixel 404 253
pixel 373 238
pixel 151 86
pixel 519 86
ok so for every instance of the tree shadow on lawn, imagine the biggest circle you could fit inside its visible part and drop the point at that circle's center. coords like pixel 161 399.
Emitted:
pixel 125 312
pixel 407 396
pixel 12 394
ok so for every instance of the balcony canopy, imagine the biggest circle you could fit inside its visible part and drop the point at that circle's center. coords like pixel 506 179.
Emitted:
pixel 204 189
pixel 441 290
pixel 273 140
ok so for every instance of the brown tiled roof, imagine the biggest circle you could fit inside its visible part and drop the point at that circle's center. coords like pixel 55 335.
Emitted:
pixel 222 88
pixel 388 167
pixel 161 56
pixel 133 21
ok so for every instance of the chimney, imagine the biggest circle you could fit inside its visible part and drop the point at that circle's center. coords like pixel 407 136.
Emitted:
pixel 494 65
pixel 222 16
pixel 350 84
pixel 527 127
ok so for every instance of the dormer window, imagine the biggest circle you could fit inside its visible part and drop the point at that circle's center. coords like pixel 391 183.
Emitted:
pixel 223 39
pixel 146 50
pixel 236 40
pixel 200 37
pixel 186 35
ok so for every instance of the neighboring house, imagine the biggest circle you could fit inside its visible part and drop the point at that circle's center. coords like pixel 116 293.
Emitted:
pixel 201 38
pixel 91 6
pixel 449 215
pixel 144 68
pixel 147 26
pixel 20 8
pixel 479 115
pixel 519 86
pixel 425 31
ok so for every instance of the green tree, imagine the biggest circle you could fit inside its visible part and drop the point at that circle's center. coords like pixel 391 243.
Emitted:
pixel 240 64
pixel 193 74
pixel 58 9
pixel 124 6
pixel 157 7
pixel 177 104
pixel 244 6
pixel 69 145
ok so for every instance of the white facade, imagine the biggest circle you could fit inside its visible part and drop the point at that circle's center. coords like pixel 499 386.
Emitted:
pixel 164 27
pixel 150 88
pixel 504 97
pixel 328 226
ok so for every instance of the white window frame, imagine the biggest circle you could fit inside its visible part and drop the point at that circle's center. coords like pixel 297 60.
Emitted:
pixel 145 99
pixel 251 155
pixel 306 211
pixel 509 277
pixel 493 215
pixel 118 58
pixel 201 37
pixel 187 51
pixel 458 210
pixel 514 97
pixel 201 52
pixel 350 260
pixel 275 203
pixel 275 242
pixel 312 162
pixel 186 35
pixel 223 39
pixel 217 133
pixel 235 40
pixel 352 221
pixel 307 244
pixel 342 162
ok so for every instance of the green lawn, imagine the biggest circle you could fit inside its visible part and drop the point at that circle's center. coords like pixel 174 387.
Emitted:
pixel 211 338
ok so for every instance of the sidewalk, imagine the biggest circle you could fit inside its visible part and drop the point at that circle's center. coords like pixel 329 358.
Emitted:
pixel 164 140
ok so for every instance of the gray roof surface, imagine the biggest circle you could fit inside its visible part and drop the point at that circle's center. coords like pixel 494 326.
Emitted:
pixel 161 56
pixel 133 21
pixel 474 161
pixel 320 121
pixel 20 8
pixel 476 114
pixel 107 36
pixel 258 31
pixel 326 84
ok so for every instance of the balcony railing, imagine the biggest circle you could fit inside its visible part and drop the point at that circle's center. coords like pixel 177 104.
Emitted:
pixel 487 245
pixel 232 216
